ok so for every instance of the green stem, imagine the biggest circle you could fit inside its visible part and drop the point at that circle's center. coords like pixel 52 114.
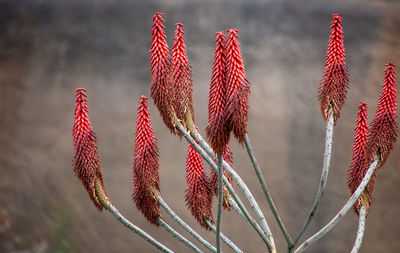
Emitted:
pixel 249 196
pixel 225 239
pixel 178 236
pixel 361 228
pixel 208 159
pixel 266 192
pixel 184 225
pixel 324 175
pixel 342 211
pixel 220 198
pixel 114 211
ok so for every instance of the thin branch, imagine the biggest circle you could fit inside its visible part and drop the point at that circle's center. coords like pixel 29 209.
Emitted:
pixel 235 207
pixel 242 186
pixel 266 192
pixel 220 197
pixel 208 159
pixel 342 212
pixel 178 236
pixel 184 225
pixel 324 175
pixel 361 228
pixel 225 239
pixel 114 211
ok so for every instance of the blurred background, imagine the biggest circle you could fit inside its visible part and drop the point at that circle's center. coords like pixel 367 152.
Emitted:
pixel 50 48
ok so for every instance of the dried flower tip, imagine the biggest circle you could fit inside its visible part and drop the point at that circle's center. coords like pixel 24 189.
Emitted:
pixel 359 165
pixel 198 194
pixel 335 80
pixel 86 159
pixel 237 89
pixel 228 157
pixel 181 75
pixel 146 166
pixel 217 133
pixel 383 130
pixel 161 82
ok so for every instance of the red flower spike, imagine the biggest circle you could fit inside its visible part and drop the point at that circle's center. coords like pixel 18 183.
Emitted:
pixel 161 81
pixel 198 194
pixel 86 160
pixel 383 130
pixel 181 75
pixel 359 165
pixel 237 89
pixel 146 166
pixel 228 157
pixel 217 133
pixel 335 80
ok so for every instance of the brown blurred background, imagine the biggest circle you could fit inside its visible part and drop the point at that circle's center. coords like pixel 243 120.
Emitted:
pixel 50 48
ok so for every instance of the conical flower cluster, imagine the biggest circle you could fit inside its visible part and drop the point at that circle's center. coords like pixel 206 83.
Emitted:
pixel 217 133
pixel 228 157
pixel 237 89
pixel 86 160
pixel 146 166
pixel 198 194
pixel 383 130
pixel 181 75
pixel 335 80
pixel 161 82
pixel 359 165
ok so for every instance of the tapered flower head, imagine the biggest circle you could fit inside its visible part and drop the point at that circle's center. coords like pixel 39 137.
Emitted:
pixel 335 80
pixel 161 82
pixel 146 166
pixel 359 165
pixel 86 160
pixel 237 88
pixel 228 157
pixel 181 75
pixel 383 130
pixel 217 133
pixel 198 194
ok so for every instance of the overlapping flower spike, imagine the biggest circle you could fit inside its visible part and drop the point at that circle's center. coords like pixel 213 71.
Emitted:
pixel 146 166
pixel 217 133
pixel 86 160
pixel 161 81
pixel 228 157
pixel 181 75
pixel 335 80
pixel 237 89
pixel 359 165
pixel 383 130
pixel 198 195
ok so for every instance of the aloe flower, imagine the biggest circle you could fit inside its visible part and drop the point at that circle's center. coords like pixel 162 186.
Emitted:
pixel 359 165
pixel 335 80
pixel 198 194
pixel 228 157
pixel 217 133
pixel 181 75
pixel 383 130
pixel 86 160
pixel 237 89
pixel 161 81
pixel 146 166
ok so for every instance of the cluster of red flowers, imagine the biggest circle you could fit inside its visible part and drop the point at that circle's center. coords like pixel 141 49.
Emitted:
pixel 335 80
pixel 86 160
pixel 171 87
pixel 146 166
pixel 378 142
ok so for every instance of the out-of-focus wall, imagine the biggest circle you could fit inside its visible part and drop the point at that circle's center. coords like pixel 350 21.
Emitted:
pixel 50 48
